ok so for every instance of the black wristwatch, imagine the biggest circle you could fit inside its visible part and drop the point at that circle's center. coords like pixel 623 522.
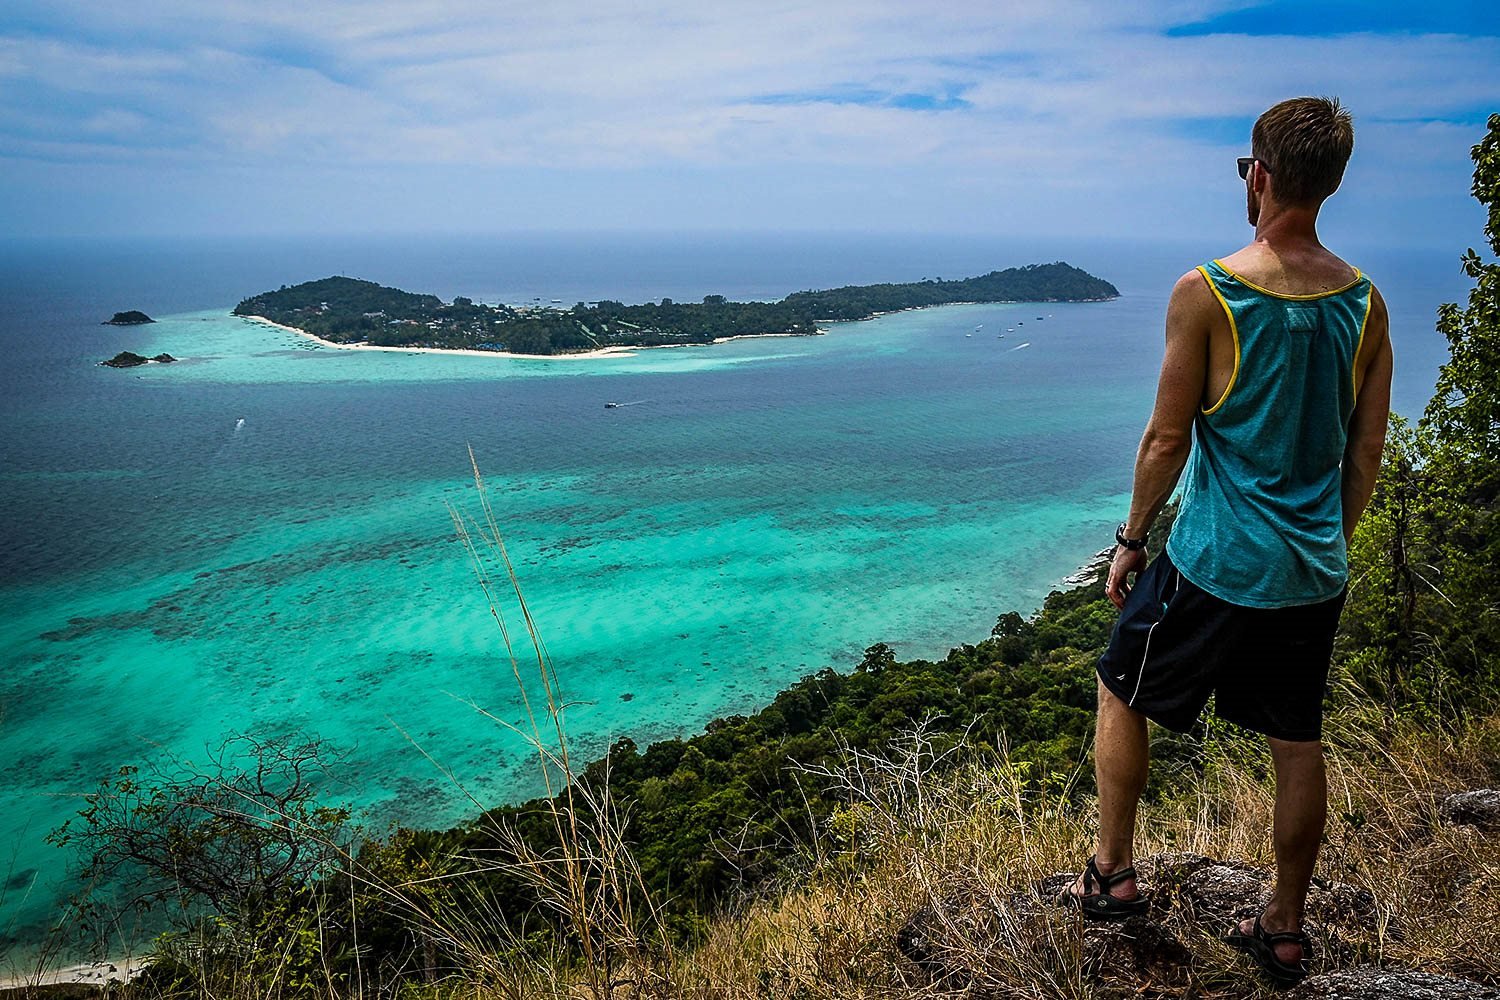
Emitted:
pixel 1133 544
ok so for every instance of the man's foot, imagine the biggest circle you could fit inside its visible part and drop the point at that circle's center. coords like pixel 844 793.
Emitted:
pixel 1283 954
pixel 1104 895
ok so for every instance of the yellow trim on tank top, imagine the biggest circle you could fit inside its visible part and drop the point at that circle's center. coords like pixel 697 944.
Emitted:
pixel 1234 331
pixel 1287 295
pixel 1360 343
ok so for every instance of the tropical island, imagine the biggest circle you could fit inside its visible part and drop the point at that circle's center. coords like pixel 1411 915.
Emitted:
pixel 130 317
pixel 350 311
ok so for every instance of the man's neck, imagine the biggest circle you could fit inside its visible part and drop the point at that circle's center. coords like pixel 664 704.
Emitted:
pixel 1286 256
pixel 1287 227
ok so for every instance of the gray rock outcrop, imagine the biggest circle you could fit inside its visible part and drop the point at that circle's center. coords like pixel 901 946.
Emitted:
pixel 1480 808
pixel 1370 983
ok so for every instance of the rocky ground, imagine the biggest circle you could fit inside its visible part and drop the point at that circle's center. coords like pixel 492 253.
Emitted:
pixel 1194 901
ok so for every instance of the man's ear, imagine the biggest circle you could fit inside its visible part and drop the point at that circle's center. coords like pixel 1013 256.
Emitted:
pixel 1260 177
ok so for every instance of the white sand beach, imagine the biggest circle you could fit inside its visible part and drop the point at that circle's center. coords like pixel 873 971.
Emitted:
pixel 603 352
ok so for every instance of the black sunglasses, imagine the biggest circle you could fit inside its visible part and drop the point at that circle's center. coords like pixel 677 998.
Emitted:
pixel 1244 164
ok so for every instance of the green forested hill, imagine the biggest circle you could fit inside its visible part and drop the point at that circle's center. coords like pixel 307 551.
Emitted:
pixel 348 310
pixel 338 297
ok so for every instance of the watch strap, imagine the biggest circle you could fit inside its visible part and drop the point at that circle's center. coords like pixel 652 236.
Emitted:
pixel 1133 544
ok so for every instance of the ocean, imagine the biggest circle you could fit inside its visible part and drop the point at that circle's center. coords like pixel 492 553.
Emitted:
pixel 258 538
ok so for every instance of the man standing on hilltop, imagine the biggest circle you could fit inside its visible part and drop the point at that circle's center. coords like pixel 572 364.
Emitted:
pixel 1274 393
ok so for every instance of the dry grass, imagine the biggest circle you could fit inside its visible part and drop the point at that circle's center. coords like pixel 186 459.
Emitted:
pixel 969 837
pixel 978 835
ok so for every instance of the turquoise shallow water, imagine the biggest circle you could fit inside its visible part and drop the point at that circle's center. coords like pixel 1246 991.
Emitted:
pixel 258 537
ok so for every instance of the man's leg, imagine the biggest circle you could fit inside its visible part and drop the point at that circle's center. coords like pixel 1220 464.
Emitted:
pixel 1301 809
pixel 1121 756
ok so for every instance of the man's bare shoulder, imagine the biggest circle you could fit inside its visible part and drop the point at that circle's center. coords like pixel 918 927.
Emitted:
pixel 1192 292
pixel 1310 270
pixel 1247 258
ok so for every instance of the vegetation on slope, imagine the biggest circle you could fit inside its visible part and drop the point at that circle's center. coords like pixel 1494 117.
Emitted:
pixel 347 310
pixel 1423 624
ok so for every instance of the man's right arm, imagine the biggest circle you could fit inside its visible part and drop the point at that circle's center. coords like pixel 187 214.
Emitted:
pixel 1372 409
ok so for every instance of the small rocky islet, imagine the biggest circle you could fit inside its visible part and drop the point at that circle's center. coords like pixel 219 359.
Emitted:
pixel 129 359
pixel 130 317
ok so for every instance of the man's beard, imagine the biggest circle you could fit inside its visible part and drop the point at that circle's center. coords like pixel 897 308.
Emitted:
pixel 1252 206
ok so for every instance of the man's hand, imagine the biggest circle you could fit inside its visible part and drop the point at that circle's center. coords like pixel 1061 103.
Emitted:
pixel 1125 562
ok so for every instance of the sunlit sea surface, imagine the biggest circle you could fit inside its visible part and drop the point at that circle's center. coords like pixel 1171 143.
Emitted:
pixel 258 538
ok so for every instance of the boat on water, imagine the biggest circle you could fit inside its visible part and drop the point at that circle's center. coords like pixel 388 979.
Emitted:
pixel 611 405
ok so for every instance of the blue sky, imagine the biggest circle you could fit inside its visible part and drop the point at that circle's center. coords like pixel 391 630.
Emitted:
pixel 1012 117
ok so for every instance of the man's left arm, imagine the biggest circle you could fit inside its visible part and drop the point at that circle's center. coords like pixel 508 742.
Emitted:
pixel 1169 433
pixel 1372 409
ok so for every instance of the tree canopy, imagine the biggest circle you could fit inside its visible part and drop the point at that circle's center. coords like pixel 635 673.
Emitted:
pixel 1426 612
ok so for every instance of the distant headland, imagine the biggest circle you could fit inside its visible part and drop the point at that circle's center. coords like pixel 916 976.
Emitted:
pixel 131 317
pixel 348 312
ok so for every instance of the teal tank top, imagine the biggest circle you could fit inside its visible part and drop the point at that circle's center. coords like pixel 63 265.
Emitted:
pixel 1261 517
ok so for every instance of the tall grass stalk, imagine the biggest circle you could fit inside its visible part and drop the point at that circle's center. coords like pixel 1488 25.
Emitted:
pixel 587 879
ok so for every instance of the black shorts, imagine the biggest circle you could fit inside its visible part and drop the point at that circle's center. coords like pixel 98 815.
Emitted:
pixel 1175 644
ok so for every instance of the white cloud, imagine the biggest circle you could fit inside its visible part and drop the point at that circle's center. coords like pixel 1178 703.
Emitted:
pixel 1061 97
